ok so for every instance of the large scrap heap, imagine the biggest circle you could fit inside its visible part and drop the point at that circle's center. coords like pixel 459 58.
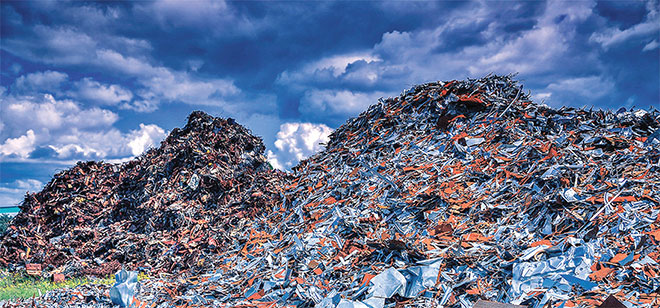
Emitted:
pixel 452 192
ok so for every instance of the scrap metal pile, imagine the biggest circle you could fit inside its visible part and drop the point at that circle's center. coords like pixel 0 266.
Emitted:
pixel 167 210
pixel 452 192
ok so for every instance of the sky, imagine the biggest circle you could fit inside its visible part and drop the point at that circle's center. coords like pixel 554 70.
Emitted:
pixel 107 80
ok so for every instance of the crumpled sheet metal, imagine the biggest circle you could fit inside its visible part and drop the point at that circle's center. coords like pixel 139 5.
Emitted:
pixel 124 289
pixel 559 274
pixel 509 200
pixel 408 283
pixel 388 283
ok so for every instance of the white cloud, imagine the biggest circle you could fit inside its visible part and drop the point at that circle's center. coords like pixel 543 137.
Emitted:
pixel 338 64
pixel 408 58
pixel 89 90
pixel 649 28
pixel 162 84
pixel 147 136
pixel 213 17
pixel 544 50
pixel 180 86
pixel 345 70
pixel 54 45
pixel 42 82
pixel 195 65
pixel 536 50
pixel 127 45
pixel 651 46
pixel 68 130
pixel 11 194
pixel 297 141
pixel 105 143
pixel 541 96
pixel 592 86
pixel 124 64
pixel 331 102
pixel 532 52
pixel 87 16
pixel 584 89
pixel 71 46
pixel 20 146
pixel 192 12
pixel 44 112
pixel 91 144
pixel 62 125
pixel 274 160
pixel 28 184
pixel 144 106
pixel 125 57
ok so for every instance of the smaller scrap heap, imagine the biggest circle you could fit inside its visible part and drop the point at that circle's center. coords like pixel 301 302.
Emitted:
pixel 165 211
pixel 450 193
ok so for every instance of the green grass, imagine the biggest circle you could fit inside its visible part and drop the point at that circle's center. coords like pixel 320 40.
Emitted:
pixel 14 286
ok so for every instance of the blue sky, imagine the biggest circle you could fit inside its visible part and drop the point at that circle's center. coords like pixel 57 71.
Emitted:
pixel 107 80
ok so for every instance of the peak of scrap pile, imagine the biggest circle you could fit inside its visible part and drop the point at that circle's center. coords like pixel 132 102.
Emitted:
pixel 450 193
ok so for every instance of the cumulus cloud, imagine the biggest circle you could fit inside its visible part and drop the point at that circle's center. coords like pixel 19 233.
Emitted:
pixel 53 45
pixel 143 106
pixel 585 89
pixel 108 143
pixel 471 43
pixel 532 51
pixel 649 28
pixel 45 113
pixel 296 141
pixel 163 84
pixel 334 87
pixel 326 103
pixel 116 61
pixel 181 87
pixel 211 16
pixel 89 90
pixel 651 45
pixel 192 13
pixel 324 69
pixel 64 129
pixel 103 144
pixel 119 56
pixel 48 81
pixel 19 146
pixel 362 71
pixel 28 185
pixel 69 122
pixel 146 137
